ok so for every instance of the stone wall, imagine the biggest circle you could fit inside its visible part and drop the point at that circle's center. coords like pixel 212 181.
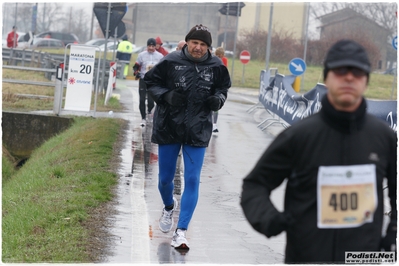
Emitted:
pixel 23 132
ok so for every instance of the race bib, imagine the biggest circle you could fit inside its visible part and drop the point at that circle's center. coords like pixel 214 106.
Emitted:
pixel 346 195
pixel 149 66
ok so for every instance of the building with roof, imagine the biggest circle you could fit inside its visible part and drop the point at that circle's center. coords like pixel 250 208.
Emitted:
pixel 349 22
pixel 171 21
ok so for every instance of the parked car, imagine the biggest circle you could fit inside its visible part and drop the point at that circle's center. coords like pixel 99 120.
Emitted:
pixel 170 46
pixel 391 71
pixel 66 38
pixel 47 43
pixel 139 49
pixel 111 46
pixel 96 42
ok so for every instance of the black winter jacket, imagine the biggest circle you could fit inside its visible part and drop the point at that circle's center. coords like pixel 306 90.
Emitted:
pixel 326 138
pixel 192 123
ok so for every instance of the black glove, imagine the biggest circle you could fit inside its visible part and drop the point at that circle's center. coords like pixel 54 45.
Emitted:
pixel 136 71
pixel 388 242
pixel 213 102
pixel 278 224
pixel 174 98
pixel 136 68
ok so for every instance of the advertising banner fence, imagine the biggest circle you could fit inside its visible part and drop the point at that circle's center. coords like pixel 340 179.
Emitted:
pixel 277 95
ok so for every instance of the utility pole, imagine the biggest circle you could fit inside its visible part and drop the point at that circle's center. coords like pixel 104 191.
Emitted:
pixel 70 20
pixel 269 37
pixel 225 27
pixel 306 40
pixel 235 41
pixel 189 18
pixel 44 13
pixel 92 24
pixel 15 15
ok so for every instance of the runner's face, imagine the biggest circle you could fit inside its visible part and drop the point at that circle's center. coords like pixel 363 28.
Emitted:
pixel 345 91
pixel 197 48
pixel 151 48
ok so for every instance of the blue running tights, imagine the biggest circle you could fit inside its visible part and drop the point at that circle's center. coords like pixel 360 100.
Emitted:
pixel 193 158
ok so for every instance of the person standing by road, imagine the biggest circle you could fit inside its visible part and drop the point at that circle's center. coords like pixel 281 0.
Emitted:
pixel 219 52
pixel 180 45
pixel 334 162
pixel 159 47
pixel 145 61
pixel 187 86
pixel 12 38
pixel 124 53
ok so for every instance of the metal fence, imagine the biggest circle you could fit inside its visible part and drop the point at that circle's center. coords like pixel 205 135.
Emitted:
pixel 32 60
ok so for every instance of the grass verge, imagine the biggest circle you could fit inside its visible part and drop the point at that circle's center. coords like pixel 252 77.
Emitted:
pixel 49 203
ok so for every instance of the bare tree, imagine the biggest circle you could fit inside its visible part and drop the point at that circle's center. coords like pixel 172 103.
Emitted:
pixel 24 18
pixel 49 16
pixel 76 21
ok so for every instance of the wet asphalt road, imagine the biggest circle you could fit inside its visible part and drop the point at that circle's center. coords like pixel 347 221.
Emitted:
pixel 218 232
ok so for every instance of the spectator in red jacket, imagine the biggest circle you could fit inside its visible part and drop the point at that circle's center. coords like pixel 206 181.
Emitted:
pixel 12 38
pixel 159 47
pixel 219 52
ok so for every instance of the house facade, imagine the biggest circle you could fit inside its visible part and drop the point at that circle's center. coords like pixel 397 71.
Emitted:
pixel 290 17
pixel 171 21
pixel 349 22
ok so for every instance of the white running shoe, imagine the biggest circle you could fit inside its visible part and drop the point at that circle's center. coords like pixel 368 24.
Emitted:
pixel 149 117
pixel 143 122
pixel 179 240
pixel 166 220
pixel 215 128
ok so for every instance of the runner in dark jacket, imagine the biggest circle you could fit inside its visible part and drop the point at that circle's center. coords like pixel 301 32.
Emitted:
pixel 334 162
pixel 187 86
pixel 191 122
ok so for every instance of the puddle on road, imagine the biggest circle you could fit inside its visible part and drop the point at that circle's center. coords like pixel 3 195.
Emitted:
pixel 138 158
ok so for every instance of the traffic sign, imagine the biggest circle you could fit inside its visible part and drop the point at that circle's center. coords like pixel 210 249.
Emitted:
pixel 245 56
pixel 101 12
pixel 297 66
pixel 395 42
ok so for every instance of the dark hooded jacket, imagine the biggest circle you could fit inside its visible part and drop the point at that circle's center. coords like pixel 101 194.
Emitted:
pixel 327 138
pixel 191 123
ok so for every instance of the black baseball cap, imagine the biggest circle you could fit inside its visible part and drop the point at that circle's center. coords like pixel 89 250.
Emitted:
pixel 151 41
pixel 347 53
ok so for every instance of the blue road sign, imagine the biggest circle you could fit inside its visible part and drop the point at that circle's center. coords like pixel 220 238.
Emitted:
pixel 395 42
pixel 297 66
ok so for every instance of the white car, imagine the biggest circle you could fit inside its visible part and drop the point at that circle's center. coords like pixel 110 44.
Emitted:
pixel 96 42
pixel 111 46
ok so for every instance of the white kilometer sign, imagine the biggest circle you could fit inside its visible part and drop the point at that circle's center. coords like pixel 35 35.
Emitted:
pixel 80 78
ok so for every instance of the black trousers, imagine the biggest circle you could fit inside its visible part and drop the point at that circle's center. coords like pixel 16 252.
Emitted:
pixel 143 95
